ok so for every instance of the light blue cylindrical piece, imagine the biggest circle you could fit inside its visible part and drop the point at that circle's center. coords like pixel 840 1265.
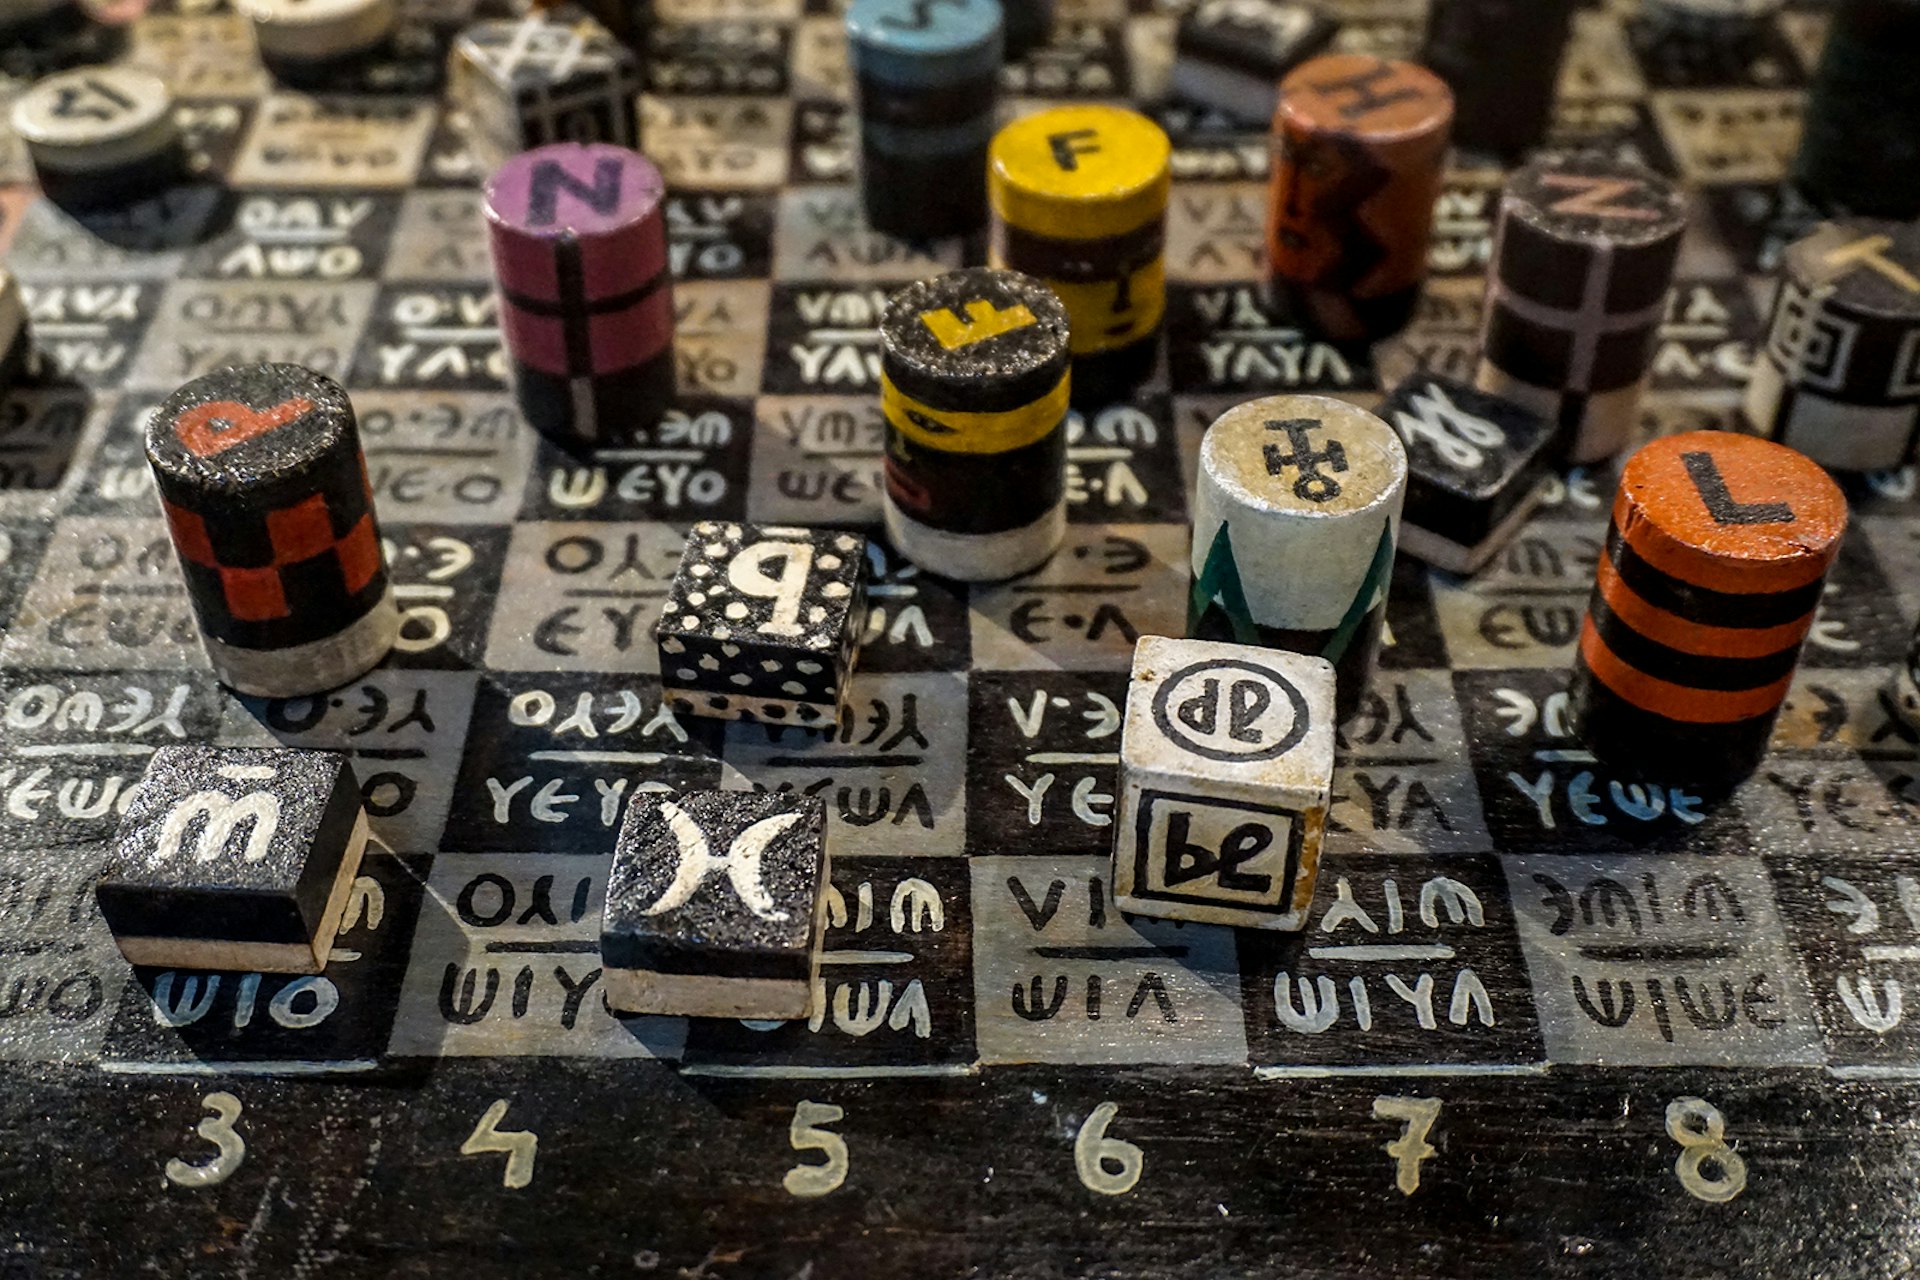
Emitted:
pixel 916 44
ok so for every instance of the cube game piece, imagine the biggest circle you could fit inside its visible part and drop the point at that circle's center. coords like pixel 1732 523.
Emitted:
pixel 763 623
pixel 235 858
pixel 715 905
pixel 1474 467
pixel 556 76
pixel 1226 770
pixel 1230 55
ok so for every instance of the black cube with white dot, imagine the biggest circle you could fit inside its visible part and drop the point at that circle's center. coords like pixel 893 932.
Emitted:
pixel 715 904
pixel 1475 463
pixel 235 858
pixel 763 623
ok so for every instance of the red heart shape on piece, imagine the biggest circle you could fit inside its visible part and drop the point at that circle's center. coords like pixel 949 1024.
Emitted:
pixel 196 430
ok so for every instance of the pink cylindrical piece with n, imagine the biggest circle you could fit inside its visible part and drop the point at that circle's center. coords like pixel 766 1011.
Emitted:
pixel 579 240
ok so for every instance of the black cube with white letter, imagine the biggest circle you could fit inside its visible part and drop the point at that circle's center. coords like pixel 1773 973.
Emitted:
pixel 235 858
pixel 715 905
pixel 763 623
pixel 1475 463
pixel 1226 770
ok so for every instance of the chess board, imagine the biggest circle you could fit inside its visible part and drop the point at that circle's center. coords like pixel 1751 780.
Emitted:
pixel 1541 1022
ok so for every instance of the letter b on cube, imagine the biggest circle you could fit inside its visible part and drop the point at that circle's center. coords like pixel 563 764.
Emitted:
pixel 1226 767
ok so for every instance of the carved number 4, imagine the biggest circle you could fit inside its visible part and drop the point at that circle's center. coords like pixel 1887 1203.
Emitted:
pixel 804 1134
pixel 1411 1147
pixel 217 1129
pixel 1698 1126
pixel 518 1146
pixel 1093 1151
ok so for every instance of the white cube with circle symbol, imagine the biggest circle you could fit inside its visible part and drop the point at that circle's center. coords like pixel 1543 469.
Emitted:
pixel 1226 768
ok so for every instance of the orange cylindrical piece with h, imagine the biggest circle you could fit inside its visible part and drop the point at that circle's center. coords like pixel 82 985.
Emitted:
pixel 1712 573
pixel 1360 147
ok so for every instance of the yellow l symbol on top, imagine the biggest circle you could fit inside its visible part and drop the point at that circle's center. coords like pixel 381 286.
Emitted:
pixel 984 320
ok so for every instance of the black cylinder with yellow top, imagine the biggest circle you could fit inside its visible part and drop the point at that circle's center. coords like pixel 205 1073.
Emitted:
pixel 974 384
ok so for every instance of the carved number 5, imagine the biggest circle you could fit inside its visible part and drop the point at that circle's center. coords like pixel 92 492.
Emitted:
pixel 804 1133
pixel 217 1129
pixel 1698 1126
pixel 1093 1151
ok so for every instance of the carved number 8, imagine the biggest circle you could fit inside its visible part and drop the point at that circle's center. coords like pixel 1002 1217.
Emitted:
pixel 1698 1126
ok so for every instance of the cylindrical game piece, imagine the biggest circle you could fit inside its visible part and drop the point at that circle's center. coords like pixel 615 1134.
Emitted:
pixel 1711 576
pixel 1904 688
pixel 303 42
pixel 1502 60
pixel 974 377
pixel 1360 147
pixel 1583 257
pixel 20 18
pixel 1839 376
pixel 1029 24
pixel 1080 202
pixel 1860 140
pixel 926 75
pixel 100 136
pixel 1296 515
pixel 579 238
pixel 265 490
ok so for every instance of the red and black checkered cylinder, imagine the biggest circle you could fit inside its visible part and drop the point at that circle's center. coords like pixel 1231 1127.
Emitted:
pixel 265 490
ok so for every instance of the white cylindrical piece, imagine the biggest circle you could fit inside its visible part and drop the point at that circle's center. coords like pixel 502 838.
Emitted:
pixel 1296 516
pixel 317 31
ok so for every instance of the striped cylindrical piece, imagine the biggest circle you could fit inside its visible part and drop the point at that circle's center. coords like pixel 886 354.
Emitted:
pixel 1712 572
pixel 1839 376
pixel 1360 150
pixel 1583 257
pixel 1296 516
pixel 974 384
pixel 1079 198
pixel 579 240
pixel 926 72
pixel 1860 137
pixel 264 488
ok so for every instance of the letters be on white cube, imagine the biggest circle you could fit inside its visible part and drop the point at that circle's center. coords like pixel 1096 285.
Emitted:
pixel 1226 766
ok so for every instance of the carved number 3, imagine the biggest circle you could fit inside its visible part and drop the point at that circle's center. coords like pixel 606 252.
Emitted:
pixel 1093 1151
pixel 804 1133
pixel 217 1129
pixel 1698 1126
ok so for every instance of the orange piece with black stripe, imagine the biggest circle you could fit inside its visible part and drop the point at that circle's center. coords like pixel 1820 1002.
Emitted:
pixel 1709 583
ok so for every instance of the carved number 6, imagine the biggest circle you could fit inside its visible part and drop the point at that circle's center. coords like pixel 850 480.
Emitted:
pixel 809 1180
pixel 1698 1126
pixel 217 1129
pixel 1093 1151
